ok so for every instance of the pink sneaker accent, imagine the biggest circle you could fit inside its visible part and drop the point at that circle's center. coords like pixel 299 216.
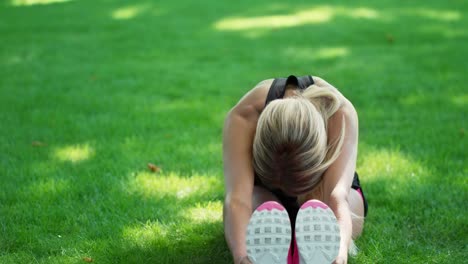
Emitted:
pixel 270 205
pixel 295 259
pixel 314 204
pixel 290 257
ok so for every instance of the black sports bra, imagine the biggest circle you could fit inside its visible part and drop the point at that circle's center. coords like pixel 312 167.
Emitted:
pixel 278 87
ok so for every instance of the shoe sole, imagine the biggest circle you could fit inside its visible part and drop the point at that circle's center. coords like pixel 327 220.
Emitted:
pixel 317 233
pixel 269 234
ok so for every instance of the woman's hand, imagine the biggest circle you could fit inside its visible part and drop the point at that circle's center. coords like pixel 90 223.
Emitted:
pixel 341 260
pixel 245 260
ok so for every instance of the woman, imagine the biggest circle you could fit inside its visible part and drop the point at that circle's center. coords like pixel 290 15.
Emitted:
pixel 289 141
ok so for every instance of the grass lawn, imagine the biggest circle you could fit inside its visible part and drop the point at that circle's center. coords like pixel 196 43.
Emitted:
pixel 93 91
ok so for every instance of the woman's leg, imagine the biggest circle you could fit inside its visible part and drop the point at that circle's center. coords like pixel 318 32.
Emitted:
pixel 356 204
pixel 261 195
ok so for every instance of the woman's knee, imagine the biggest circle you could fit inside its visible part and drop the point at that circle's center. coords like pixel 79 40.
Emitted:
pixel 356 204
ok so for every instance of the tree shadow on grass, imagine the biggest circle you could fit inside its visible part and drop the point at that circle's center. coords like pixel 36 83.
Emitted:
pixel 182 226
pixel 185 243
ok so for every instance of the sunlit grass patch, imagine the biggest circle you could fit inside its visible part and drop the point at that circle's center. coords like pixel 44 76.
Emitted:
pixel 316 15
pixel 48 186
pixel 152 185
pixel 312 16
pixel 445 30
pixel 144 234
pixel 148 233
pixel 208 212
pixel 36 2
pixel 461 100
pixel 375 164
pixel 362 12
pixel 128 12
pixel 439 15
pixel 74 153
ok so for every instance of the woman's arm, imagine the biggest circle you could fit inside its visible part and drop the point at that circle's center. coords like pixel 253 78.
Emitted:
pixel 238 134
pixel 339 176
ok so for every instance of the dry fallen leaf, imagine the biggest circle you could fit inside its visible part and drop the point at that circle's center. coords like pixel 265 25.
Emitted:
pixel 38 144
pixel 390 38
pixel 153 167
pixel 88 259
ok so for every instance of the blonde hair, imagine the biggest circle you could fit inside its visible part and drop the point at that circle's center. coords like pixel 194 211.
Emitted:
pixel 291 149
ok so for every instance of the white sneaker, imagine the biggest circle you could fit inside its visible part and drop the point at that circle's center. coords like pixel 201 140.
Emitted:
pixel 269 235
pixel 317 233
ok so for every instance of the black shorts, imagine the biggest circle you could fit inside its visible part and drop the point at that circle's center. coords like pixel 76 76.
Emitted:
pixel 357 186
pixel 292 206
